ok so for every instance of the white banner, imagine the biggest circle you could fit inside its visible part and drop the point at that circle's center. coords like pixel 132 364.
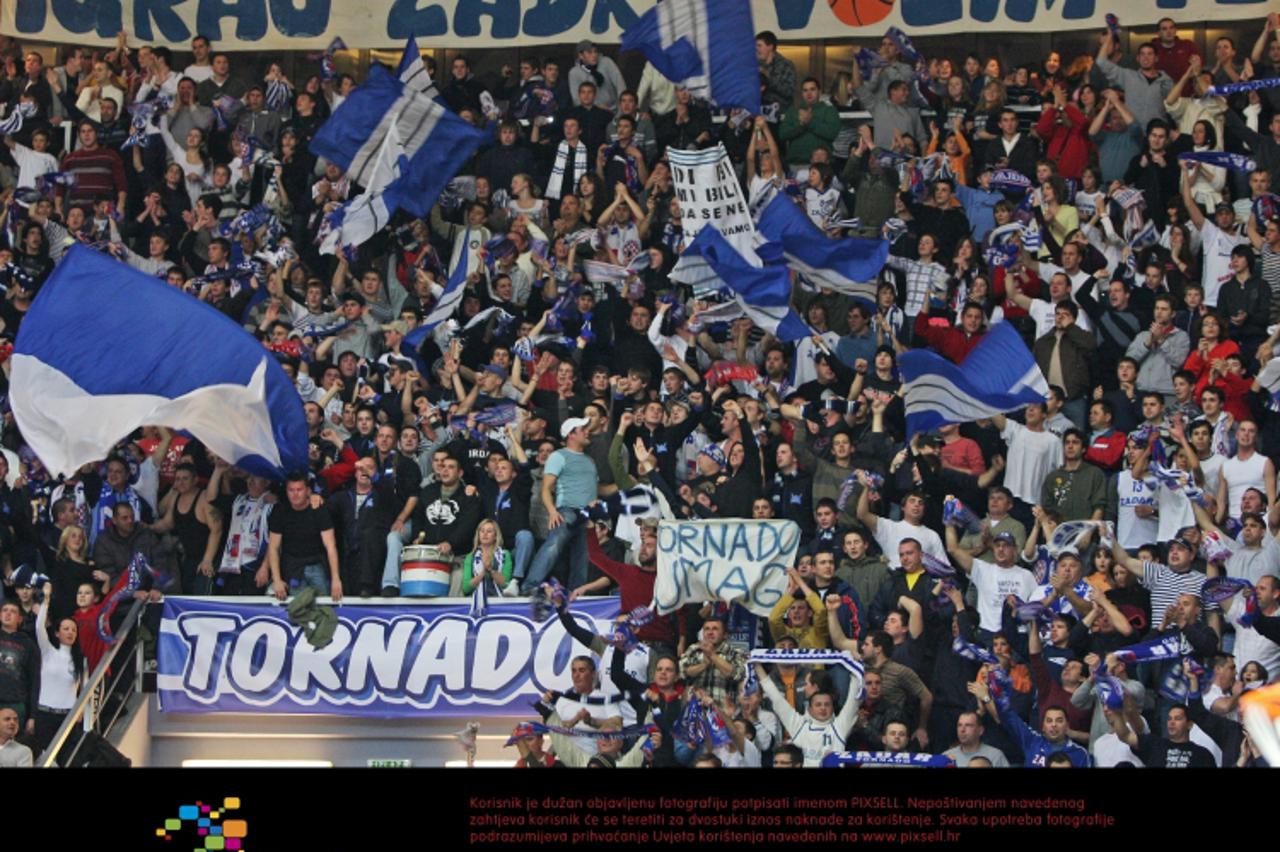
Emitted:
pixel 708 191
pixel 312 24
pixel 736 561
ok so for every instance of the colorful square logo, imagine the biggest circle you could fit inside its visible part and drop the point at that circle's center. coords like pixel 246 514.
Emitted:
pixel 208 825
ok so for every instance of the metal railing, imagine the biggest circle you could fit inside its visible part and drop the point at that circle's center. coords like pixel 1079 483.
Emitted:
pixel 92 712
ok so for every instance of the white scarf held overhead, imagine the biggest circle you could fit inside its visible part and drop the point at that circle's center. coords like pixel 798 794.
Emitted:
pixel 557 170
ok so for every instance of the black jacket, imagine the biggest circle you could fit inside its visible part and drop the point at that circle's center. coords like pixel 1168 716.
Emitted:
pixel 453 519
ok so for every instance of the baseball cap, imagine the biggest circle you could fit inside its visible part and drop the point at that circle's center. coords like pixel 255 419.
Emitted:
pixel 585 45
pixel 496 370
pixel 1182 541
pixel 1222 205
pixel 572 423
pixel 398 326
pixel 1006 537
pixel 353 296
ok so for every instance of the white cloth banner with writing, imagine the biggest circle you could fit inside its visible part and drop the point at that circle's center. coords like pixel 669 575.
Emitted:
pixel 734 560
pixel 708 192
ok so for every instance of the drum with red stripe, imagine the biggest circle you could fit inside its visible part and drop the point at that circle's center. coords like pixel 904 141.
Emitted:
pixel 424 572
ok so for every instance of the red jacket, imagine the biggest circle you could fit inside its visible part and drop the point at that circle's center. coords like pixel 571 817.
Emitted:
pixel 1066 144
pixel 950 342
pixel 1049 692
pixel 1175 60
pixel 1107 450
pixel 1031 287
pixel 635 588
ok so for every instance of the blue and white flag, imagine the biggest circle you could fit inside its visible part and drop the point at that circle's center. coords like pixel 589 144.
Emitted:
pixel 763 292
pixel 717 65
pixel 1222 159
pixel 848 266
pixel 132 362
pixel 1244 86
pixel 413 71
pixel 448 302
pixel 355 223
pixel 385 130
pixel 998 376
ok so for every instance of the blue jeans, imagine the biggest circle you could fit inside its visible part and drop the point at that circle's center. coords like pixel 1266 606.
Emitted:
pixel 571 534
pixel 395 544
pixel 522 552
pixel 316 576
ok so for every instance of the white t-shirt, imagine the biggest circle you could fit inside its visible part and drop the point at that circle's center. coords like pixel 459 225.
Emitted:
pixel 1252 645
pixel 994 585
pixel 1048 270
pixel 1212 694
pixel 31 165
pixel 1042 312
pixel 1211 468
pixel 198 73
pixel 1241 476
pixel 1109 750
pixel 1217 259
pixel 1132 531
pixel 889 534
pixel 1175 512
pixel 1032 455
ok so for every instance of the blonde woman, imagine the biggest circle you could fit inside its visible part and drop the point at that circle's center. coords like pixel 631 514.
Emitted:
pixel 488 562
pixel 71 567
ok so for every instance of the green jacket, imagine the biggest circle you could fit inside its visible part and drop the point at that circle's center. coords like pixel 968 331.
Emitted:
pixel 802 139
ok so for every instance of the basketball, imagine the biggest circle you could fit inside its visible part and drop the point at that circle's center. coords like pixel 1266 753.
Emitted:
pixel 861 13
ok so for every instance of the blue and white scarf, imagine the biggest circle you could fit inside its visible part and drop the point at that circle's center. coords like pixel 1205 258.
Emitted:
pixel 837 759
pixel 1221 159
pixel 970 651
pixel 958 515
pixel 1244 86
pixel 807 656
pixel 279 93
pixel 13 122
pixel 556 180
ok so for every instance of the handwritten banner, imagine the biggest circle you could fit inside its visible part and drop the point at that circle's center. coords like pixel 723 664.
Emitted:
pixel 384 661
pixel 312 24
pixel 734 561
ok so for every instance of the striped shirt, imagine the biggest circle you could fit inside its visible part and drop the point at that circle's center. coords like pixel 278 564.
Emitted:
pixel 98 172
pixel 1269 267
pixel 1167 585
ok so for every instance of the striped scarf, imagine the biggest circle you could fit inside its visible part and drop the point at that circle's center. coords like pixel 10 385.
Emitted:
pixel 1134 205
pixel 809 656
pixel 556 180
pixel 837 759
pixel 1244 86
pixel 13 122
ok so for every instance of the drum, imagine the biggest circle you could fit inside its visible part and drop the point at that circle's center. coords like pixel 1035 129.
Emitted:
pixel 424 572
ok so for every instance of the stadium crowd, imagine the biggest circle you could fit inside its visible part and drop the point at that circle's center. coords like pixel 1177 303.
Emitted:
pixel 516 444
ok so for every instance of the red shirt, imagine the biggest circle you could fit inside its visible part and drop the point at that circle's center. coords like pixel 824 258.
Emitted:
pixel 964 454
pixel 1066 144
pixel 1030 287
pixel 635 588
pixel 1107 450
pixel 950 342
pixel 1175 60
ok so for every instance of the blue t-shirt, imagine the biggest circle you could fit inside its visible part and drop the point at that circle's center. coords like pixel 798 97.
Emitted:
pixel 576 478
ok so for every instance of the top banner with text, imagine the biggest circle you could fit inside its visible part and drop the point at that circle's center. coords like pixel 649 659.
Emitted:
pixel 313 24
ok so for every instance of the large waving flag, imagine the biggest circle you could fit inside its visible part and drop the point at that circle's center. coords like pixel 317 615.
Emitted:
pixel 106 348
pixel 386 131
pixel 998 376
pixel 720 66
pixel 848 265
pixel 762 292
pixel 413 71
pixel 448 302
